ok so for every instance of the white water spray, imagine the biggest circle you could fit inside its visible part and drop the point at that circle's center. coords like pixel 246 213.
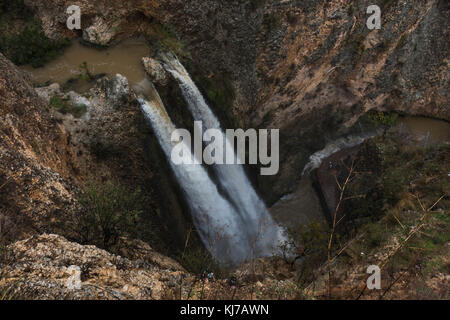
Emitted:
pixel 220 225
pixel 315 160
pixel 255 220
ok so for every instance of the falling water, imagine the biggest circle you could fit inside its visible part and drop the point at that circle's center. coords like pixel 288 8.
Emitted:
pixel 220 225
pixel 315 160
pixel 255 220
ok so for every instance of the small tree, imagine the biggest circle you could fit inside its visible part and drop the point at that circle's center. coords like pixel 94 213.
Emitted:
pixel 109 211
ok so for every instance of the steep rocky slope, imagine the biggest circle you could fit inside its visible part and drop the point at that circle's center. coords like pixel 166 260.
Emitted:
pixel 50 267
pixel 328 69
pixel 310 68
pixel 36 161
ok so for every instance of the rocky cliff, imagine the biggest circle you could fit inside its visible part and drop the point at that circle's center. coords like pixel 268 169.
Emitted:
pixel 36 160
pixel 310 68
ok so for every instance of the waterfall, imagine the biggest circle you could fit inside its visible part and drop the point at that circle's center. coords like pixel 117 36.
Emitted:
pixel 255 220
pixel 219 224
pixel 315 160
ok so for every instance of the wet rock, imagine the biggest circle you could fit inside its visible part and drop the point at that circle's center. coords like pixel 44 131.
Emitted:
pixel 155 71
pixel 116 90
pixel 48 92
pixel 77 99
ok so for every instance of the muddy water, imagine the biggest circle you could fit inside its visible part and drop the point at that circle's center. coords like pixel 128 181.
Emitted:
pixel 125 58
pixel 300 207
pixel 426 128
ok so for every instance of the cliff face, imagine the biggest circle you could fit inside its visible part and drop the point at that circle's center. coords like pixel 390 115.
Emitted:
pixel 328 69
pixel 35 159
pixel 48 158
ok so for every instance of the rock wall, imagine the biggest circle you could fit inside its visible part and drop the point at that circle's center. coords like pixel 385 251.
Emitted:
pixel 321 69
pixel 310 68
pixel 36 162
pixel 50 267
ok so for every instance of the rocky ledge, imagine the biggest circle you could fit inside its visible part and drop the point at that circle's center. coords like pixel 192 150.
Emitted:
pixel 50 267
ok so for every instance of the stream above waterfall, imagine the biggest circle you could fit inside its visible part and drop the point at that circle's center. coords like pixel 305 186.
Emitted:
pixel 124 58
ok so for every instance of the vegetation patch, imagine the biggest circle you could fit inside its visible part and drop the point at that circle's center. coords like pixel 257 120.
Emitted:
pixel 410 229
pixel 165 35
pixel 387 119
pixel 220 92
pixel 356 44
pixel 64 106
pixel 109 211
pixel 85 74
pixel 22 39
pixel 271 21
pixel 394 213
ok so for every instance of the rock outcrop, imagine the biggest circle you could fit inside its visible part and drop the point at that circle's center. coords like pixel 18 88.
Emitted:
pixel 100 33
pixel 36 162
pixel 155 71
pixel 50 267
pixel 47 158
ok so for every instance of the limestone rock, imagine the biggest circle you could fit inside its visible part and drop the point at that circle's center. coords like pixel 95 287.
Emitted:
pixel 100 32
pixel 155 71
pixel 77 99
pixel 116 90
pixel 51 267
pixel 47 92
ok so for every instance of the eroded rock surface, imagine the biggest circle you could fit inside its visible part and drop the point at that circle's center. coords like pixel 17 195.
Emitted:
pixel 36 162
pixel 50 267
pixel 155 71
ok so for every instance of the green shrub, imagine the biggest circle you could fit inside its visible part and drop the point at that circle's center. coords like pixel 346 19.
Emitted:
pixel 110 210
pixel 64 106
pixel 401 43
pixel 351 10
pixel 383 118
pixel 356 44
pixel 166 36
pixel 220 92
pixel 375 234
pixel 198 260
pixel 15 8
pixel 85 74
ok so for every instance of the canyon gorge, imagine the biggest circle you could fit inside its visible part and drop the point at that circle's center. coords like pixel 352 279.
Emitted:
pixel 89 119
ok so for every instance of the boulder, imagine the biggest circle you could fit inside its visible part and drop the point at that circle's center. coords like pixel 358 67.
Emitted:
pixel 100 33
pixel 116 91
pixel 50 267
pixel 155 71
pixel 47 92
